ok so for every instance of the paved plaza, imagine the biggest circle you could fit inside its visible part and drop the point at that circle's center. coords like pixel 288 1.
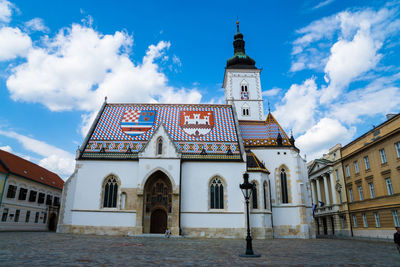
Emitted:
pixel 51 249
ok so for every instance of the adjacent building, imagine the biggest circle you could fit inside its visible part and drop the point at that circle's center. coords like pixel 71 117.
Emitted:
pixel 30 195
pixel 329 195
pixel 371 166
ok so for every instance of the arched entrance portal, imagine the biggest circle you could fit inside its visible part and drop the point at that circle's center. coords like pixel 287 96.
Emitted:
pixel 158 221
pixel 157 203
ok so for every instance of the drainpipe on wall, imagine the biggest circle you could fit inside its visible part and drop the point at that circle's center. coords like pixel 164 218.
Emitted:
pixel 4 186
pixel 270 204
pixel 180 197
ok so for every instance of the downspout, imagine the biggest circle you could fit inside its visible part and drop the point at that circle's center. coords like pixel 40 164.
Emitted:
pixel 180 198
pixel 2 193
pixel 270 204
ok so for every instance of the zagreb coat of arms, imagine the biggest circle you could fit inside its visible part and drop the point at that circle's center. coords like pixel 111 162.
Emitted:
pixel 136 122
pixel 197 123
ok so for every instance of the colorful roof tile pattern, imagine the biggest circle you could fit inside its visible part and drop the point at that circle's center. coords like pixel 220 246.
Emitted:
pixel 263 133
pixel 124 129
pixel 254 164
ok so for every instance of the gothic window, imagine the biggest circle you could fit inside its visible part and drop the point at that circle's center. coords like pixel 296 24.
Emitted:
pixel 245 110
pixel 216 194
pixel 254 196
pixel 244 93
pixel 110 192
pixel 284 189
pixel 159 146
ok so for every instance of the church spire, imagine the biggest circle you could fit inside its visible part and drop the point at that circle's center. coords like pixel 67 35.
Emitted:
pixel 240 60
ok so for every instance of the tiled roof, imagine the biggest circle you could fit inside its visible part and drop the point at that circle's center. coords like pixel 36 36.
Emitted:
pixel 29 170
pixel 263 133
pixel 254 164
pixel 198 131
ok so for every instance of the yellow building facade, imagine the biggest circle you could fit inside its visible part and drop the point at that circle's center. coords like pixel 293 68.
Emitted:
pixel 371 168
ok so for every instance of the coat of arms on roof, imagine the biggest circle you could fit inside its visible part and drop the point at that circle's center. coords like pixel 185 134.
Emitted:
pixel 136 122
pixel 197 123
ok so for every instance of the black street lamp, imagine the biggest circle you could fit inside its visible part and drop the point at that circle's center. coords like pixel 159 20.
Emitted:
pixel 247 188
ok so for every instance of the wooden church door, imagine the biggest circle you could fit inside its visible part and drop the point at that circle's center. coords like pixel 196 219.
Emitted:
pixel 158 221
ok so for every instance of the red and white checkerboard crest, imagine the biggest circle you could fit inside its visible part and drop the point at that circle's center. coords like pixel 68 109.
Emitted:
pixel 136 122
pixel 197 123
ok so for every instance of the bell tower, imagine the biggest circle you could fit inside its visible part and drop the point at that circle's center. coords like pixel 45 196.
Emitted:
pixel 242 82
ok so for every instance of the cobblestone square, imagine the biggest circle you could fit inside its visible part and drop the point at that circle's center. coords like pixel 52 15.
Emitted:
pixel 51 249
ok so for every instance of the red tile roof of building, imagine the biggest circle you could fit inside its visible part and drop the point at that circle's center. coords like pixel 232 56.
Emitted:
pixel 30 170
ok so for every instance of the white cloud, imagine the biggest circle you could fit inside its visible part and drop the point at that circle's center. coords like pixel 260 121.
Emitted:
pixel 36 24
pixel 326 133
pixel 77 68
pixel 322 4
pixel 55 159
pixel 271 92
pixel 298 106
pixel 348 60
pixel 5 10
pixel 6 148
pixel 13 43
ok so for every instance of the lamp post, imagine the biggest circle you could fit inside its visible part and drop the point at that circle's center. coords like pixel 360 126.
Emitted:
pixel 247 188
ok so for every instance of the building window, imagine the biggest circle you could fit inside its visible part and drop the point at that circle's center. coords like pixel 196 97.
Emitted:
pixel 56 201
pixel 216 194
pixel 16 217
pixel 389 186
pixel 371 190
pixel 254 196
pixel 32 196
pixel 360 192
pixel 383 155
pixel 343 221
pixel 123 200
pixel 45 217
pixel 28 214
pixel 49 200
pixel 355 221
pixel 159 146
pixel 37 217
pixel 12 190
pixel 337 175
pixel 110 192
pixel 347 171
pixel 41 198
pixel 244 93
pixel 245 110
pixel 284 189
pixel 356 169
pixel 377 220
pixel 265 195
pixel 5 215
pixel 365 223
pixel 366 162
pixel 340 197
pixel 351 195
pixel 396 218
pixel 397 146
pixel 22 193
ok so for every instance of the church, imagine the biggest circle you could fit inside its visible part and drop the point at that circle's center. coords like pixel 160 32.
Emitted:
pixel 144 168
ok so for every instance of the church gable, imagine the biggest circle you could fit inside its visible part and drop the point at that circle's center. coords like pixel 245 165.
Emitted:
pixel 160 145
pixel 264 133
pixel 198 131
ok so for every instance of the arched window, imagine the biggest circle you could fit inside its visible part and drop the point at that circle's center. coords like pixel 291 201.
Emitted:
pixel 159 146
pixel 254 196
pixel 265 195
pixel 216 194
pixel 284 189
pixel 245 110
pixel 110 192
pixel 244 93
pixel 123 200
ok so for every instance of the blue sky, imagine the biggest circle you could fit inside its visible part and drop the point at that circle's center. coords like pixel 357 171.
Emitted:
pixel 330 69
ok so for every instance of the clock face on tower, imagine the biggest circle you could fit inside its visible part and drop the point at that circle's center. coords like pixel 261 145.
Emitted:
pixel 244 95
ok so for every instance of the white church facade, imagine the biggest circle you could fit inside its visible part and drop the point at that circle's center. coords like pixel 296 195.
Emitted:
pixel 144 168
